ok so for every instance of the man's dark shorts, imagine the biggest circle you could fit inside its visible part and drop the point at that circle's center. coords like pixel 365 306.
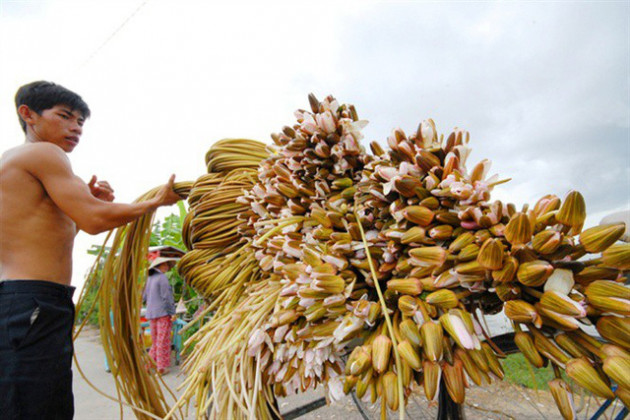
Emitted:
pixel 36 320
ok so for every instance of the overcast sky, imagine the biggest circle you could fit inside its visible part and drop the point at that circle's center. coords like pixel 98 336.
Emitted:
pixel 543 88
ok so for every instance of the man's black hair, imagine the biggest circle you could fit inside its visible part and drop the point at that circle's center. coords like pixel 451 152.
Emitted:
pixel 40 96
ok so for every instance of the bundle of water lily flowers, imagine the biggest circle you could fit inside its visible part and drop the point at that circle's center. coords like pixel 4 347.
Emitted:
pixel 312 249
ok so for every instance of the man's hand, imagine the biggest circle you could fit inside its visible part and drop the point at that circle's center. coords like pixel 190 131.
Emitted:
pixel 101 189
pixel 167 196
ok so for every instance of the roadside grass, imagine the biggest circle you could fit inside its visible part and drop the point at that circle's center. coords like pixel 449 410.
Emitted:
pixel 518 371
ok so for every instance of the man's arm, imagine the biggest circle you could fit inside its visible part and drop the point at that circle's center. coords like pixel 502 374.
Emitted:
pixel 50 165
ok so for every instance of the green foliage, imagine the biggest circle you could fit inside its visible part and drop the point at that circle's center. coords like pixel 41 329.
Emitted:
pixel 82 311
pixel 169 231
pixel 518 371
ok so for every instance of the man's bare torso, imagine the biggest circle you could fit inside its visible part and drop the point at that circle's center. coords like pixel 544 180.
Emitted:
pixel 36 237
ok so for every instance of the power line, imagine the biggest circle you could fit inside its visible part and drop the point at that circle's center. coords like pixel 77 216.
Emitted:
pixel 113 34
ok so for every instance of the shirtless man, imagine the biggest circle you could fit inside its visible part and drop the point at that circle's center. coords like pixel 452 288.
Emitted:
pixel 42 206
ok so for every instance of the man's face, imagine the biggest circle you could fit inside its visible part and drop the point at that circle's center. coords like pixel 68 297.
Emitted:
pixel 58 125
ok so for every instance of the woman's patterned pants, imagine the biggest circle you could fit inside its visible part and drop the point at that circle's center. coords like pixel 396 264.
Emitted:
pixel 161 341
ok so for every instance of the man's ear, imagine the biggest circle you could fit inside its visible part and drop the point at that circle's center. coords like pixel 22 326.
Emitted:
pixel 27 114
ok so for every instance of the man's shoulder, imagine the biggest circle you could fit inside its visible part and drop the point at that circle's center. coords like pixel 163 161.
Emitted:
pixel 44 148
pixel 39 149
pixel 29 154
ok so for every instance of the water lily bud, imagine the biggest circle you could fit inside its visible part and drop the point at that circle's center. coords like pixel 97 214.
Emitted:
pixel 349 383
pixel 564 398
pixel 617 256
pixel 562 304
pixel 283 318
pixel 377 150
pixel 419 215
pixel 521 311
pixel 507 273
pixel 381 350
pixel 493 361
pixel 469 365
pixel 390 390
pixel 408 286
pixel 614 350
pixel 408 305
pixel 598 238
pixel 409 354
pixel 470 268
pixel 359 361
pixel 546 204
pixel 490 255
pixel 415 234
pixel 572 211
pixel 615 330
pixel 618 368
pixel 534 273
pixel 443 298
pixel 519 229
pixel 441 232
pixel 373 312
pixel 448 217
pixel 362 387
pixel 432 373
pixel 569 345
pixel 431 333
pixel 430 203
pixel 557 320
pixel 407 186
pixel 457 329
pixel 582 372
pixel 591 273
pixel 468 253
pixel 329 283
pixel 427 133
pixel 525 343
pixel 609 296
pixel 547 241
pixel 428 256
pixel 454 379
pixel 548 348
pixel 461 241
pixel 410 331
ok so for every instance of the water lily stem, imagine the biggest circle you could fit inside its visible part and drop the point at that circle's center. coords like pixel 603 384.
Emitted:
pixel 390 328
